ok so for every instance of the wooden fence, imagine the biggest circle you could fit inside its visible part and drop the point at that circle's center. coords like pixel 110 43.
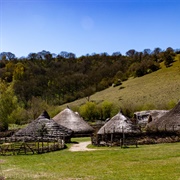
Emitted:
pixel 13 146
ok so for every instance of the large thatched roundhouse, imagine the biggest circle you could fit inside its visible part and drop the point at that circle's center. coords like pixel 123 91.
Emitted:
pixel 116 130
pixel 45 127
pixel 73 121
pixel 119 124
pixel 170 122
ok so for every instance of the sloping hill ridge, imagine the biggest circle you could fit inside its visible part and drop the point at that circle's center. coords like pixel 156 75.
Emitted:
pixel 151 91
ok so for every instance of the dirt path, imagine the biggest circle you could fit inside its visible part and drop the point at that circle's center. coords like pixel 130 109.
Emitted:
pixel 82 146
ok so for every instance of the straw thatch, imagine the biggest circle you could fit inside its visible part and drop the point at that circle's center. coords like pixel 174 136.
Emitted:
pixel 73 121
pixel 143 117
pixel 168 122
pixel 44 126
pixel 118 124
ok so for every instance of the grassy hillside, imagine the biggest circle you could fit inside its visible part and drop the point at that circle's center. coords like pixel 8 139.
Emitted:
pixel 157 90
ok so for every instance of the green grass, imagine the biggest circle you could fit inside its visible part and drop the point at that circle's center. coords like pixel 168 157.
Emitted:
pixel 152 91
pixel 148 162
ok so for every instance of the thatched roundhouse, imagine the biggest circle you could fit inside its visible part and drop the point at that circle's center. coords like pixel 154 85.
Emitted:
pixel 45 127
pixel 143 117
pixel 170 122
pixel 73 121
pixel 118 124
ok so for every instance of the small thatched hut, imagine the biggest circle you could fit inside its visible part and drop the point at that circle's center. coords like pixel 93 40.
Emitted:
pixel 118 124
pixel 73 121
pixel 45 127
pixel 170 122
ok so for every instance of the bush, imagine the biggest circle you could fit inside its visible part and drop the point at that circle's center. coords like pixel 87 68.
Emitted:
pixel 107 109
pixel 89 111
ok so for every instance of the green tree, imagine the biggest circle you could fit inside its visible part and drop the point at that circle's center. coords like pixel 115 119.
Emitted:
pixel 35 107
pixel 18 71
pixel 89 111
pixel 169 57
pixel 8 104
pixel 107 109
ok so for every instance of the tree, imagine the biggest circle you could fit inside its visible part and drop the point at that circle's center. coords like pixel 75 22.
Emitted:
pixel 168 56
pixel 107 109
pixel 64 54
pixel 8 55
pixel 8 104
pixel 146 52
pixel 19 71
pixel 116 54
pixel 157 50
pixel 35 107
pixel 131 53
pixel 32 56
pixel 89 111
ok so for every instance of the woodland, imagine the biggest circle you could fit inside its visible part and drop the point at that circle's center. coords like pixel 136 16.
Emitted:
pixel 46 79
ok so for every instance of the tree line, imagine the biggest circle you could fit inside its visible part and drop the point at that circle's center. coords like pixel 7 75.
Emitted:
pixel 58 79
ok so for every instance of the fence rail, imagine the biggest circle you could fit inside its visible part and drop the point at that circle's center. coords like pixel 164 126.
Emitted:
pixel 16 146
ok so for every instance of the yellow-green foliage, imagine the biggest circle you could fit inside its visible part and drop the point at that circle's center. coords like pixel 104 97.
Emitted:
pixel 8 105
pixel 89 110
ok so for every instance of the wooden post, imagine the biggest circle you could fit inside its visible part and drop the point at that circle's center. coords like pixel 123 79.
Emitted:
pixel 54 144
pixel 121 144
pixel 123 140
pixel 111 138
pixel 38 146
pixel 104 135
pixel 42 145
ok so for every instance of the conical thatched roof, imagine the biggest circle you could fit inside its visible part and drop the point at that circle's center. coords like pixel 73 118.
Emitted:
pixel 118 124
pixel 169 122
pixel 73 121
pixel 45 126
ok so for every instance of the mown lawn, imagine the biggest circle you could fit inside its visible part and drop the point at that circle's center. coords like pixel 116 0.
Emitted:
pixel 148 162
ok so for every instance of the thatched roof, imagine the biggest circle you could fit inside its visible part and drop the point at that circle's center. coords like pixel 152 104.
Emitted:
pixel 118 124
pixel 168 122
pixel 142 117
pixel 43 125
pixel 73 121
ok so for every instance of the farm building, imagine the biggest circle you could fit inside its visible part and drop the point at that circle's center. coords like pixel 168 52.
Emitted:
pixel 46 127
pixel 169 122
pixel 73 121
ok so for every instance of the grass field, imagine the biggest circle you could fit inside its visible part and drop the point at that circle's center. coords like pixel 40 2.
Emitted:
pixel 152 91
pixel 148 162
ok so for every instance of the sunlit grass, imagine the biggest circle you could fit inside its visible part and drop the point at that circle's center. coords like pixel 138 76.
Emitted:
pixel 157 162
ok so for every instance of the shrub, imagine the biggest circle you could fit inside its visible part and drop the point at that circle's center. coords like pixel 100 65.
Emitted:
pixel 107 109
pixel 89 111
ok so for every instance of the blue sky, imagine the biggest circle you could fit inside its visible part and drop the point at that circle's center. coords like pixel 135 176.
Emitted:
pixel 88 26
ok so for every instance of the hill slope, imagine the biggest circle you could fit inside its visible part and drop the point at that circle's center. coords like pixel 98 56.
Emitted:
pixel 154 90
